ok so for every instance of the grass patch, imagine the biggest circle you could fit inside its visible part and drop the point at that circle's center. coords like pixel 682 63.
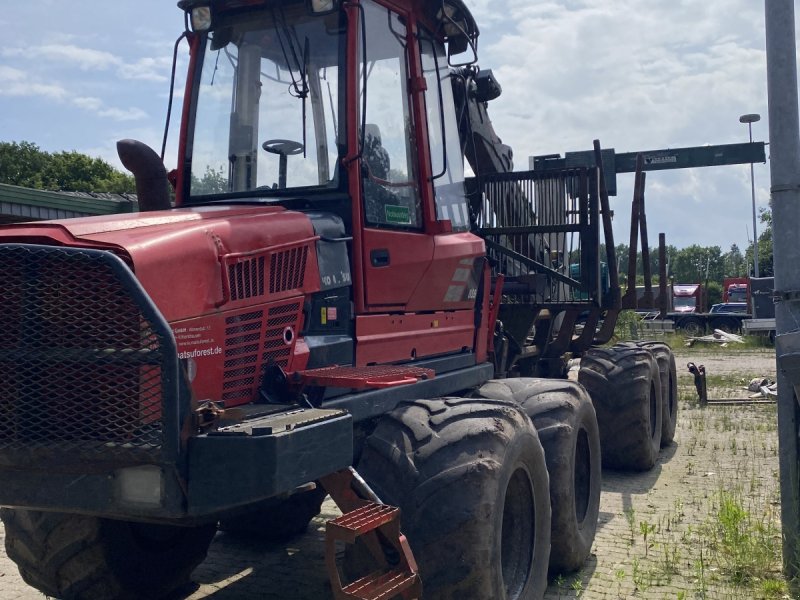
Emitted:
pixel 745 545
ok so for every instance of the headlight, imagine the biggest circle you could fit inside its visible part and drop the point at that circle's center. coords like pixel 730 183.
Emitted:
pixel 319 7
pixel 201 18
pixel 139 486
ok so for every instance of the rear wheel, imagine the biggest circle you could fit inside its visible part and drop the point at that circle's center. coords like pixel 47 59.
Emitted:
pixel 277 520
pixel 74 557
pixel 470 478
pixel 669 388
pixel 565 420
pixel 727 325
pixel 623 382
pixel 692 327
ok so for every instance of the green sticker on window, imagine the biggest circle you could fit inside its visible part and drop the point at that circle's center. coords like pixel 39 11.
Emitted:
pixel 398 215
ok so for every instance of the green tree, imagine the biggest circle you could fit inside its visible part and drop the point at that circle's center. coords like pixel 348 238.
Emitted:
pixel 24 164
pixel 765 267
pixel 21 164
pixel 212 182
pixel 735 264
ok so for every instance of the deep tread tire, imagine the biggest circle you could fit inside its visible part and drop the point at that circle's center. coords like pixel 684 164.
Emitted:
pixel 668 376
pixel 564 418
pixel 470 478
pixel 277 521
pixel 75 557
pixel 623 382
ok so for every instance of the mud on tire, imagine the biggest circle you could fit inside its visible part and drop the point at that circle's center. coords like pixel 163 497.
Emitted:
pixel 565 420
pixel 470 478
pixel 623 382
pixel 669 387
pixel 276 520
pixel 74 557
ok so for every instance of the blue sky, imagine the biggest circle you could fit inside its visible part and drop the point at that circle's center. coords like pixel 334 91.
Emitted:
pixel 635 75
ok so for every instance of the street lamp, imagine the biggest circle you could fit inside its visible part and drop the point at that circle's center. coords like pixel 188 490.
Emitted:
pixel 750 119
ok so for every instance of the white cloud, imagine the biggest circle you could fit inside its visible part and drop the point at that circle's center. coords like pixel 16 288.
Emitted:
pixel 85 59
pixel 120 114
pixel 148 69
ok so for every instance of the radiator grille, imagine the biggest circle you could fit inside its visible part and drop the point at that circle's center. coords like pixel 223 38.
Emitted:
pixel 287 269
pixel 246 361
pixel 246 278
pixel 80 365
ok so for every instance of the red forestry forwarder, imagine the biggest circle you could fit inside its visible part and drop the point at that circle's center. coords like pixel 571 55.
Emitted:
pixel 329 308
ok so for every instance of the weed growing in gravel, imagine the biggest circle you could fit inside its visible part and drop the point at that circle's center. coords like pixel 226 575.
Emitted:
pixel 747 547
pixel 630 517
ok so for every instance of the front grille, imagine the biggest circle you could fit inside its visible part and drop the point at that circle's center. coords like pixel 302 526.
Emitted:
pixel 288 269
pixel 81 366
pixel 245 361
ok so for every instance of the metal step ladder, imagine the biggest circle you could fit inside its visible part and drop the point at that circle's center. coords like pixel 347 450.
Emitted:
pixel 378 526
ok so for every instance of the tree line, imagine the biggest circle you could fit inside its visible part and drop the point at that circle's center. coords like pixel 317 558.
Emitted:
pixel 26 165
pixel 708 265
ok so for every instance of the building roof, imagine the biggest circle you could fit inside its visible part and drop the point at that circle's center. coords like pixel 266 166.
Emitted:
pixel 25 204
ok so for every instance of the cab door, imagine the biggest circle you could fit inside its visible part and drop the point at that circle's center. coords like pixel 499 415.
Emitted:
pixel 396 250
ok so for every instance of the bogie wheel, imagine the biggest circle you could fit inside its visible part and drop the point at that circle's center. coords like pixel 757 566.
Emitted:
pixel 669 387
pixel 565 420
pixel 276 520
pixel 624 384
pixel 470 478
pixel 75 557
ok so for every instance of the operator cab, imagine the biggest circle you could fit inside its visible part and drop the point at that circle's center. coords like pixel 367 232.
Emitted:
pixel 285 94
pixel 345 108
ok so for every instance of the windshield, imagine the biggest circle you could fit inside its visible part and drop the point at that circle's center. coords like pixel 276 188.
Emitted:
pixel 685 302
pixel 267 114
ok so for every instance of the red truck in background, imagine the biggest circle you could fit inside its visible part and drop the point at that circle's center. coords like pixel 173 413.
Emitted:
pixel 687 297
pixel 736 289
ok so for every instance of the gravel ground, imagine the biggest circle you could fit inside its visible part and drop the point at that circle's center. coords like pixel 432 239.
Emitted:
pixel 658 534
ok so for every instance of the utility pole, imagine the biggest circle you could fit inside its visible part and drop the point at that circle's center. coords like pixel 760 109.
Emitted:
pixel 750 119
pixel 784 136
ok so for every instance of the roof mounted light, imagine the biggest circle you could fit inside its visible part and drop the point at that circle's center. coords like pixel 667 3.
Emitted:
pixel 201 18
pixel 323 7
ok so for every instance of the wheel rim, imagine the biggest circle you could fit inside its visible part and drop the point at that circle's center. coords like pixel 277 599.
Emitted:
pixel 518 535
pixel 653 409
pixel 692 328
pixel 583 475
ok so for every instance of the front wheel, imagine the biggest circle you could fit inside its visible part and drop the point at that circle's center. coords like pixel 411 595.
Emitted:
pixel 75 557
pixel 276 520
pixel 470 478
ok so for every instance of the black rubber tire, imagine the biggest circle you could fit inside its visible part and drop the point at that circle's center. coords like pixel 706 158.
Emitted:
pixel 692 327
pixel 728 325
pixel 470 478
pixel 276 520
pixel 75 557
pixel 565 420
pixel 624 384
pixel 668 375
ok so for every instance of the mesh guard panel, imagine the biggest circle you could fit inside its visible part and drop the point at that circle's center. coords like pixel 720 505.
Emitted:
pixel 82 368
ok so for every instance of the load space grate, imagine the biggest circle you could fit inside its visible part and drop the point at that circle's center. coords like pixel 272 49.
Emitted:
pixel 540 227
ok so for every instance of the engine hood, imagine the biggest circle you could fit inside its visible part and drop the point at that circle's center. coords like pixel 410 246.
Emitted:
pixel 181 256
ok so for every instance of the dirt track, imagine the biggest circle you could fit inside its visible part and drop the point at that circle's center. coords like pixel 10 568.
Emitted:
pixel 716 448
